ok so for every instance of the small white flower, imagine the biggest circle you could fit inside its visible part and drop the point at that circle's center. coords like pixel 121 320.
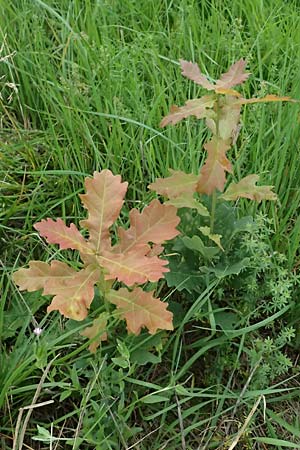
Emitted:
pixel 38 331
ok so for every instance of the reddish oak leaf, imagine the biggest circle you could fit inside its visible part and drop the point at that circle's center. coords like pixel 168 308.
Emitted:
pixel 59 233
pixel 156 223
pixel 133 260
pixel 175 185
pixel 73 290
pixel 247 188
pixel 42 275
pixel 229 118
pixel 74 295
pixel 199 107
pixel 212 174
pixel 103 200
pixel 155 250
pixel 141 309
pixel 34 278
pixel 235 75
pixel 133 266
pixel 192 71
pixel 96 333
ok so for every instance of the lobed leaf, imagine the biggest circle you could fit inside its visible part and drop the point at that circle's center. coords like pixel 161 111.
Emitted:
pixel 73 291
pixel 175 185
pixel 57 232
pixel 73 294
pixel 212 173
pixel 35 277
pixel 247 188
pixel 187 200
pixel 192 71
pixel 133 266
pixel 229 118
pixel 155 250
pixel 235 75
pixel 96 332
pixel 267 98
pixel 133 260
pixel 156 223
pixel 103 199
pixel 198 107
pixel 141 309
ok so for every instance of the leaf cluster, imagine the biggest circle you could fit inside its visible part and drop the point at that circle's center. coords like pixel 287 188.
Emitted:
pixel 221 110
pixel 132 261
pixel 210 228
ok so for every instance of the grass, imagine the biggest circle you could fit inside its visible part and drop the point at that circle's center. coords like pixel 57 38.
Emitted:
pixel 83 87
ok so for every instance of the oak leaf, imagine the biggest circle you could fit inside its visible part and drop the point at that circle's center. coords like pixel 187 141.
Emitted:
pixel 134 266
pixel 59 233
pixel 212 174
pixel 156 223
pixel 103 199
pixel 96 332
pixel 175 185
pixel 228 117
pixel 198 107
pixel 247 188
pixel 34 278
pixel 235 75
pixel 133 260
pixel 73 291
pixel 192 71
pixel 141 309
pixel 267 98
pixel 74 296
pixel 187 200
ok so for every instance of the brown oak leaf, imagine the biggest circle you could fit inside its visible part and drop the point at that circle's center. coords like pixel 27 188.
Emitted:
pixel 156 223
pixel 57 232
pixel 235 75
pixel 96 332
pixel 198 107
pixel 141 309
pixel 103 199
pixel 247 188
pixel 192 71
pixel 212 174
pixel 133 266
pixel 175 185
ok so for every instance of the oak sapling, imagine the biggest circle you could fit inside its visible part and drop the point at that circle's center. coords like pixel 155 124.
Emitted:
pixel 221 110
pixel 133 260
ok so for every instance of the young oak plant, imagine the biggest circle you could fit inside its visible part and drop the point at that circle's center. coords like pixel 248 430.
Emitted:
pixel 221 109
pixel 133 260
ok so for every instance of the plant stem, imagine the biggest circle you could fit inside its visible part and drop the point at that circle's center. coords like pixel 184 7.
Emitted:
pixel 214 194
pixel 213 210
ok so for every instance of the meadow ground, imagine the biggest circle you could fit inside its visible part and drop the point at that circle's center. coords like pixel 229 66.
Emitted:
pixel 83 86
